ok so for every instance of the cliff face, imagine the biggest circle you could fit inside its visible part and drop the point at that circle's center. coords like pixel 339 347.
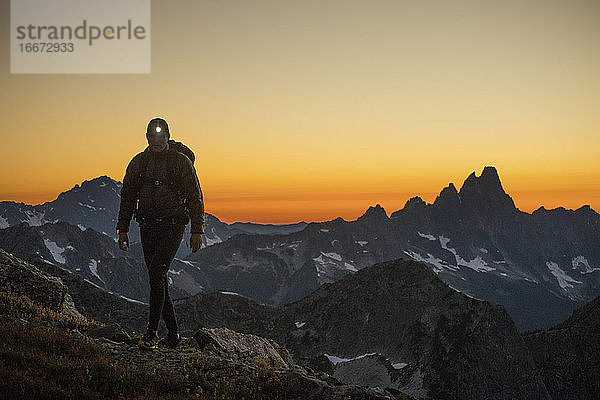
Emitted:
pixel 568 355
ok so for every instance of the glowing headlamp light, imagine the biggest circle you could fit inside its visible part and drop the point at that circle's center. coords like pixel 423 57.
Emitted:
pixel 158 129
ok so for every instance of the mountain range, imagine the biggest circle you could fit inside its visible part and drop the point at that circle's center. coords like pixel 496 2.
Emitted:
pixel 540 266
pixel 393 325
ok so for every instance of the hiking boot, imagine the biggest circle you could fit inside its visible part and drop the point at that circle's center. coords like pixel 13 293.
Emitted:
pixel 149 341
pixel 171 341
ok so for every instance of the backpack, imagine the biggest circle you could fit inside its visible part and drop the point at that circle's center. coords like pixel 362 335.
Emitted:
pixel 176 186
pixel 182 148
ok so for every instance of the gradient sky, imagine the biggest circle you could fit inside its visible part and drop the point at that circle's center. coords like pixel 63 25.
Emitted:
pixel 309 110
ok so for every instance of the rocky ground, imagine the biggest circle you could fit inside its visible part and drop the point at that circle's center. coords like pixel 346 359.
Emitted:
pixel 48 337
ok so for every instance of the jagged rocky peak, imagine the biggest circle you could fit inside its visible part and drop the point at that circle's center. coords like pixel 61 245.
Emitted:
pixel 448 196
pixel 488 181
pixel 485 190
pixel 101 180
pixel 376 212
pixel 541 210
pixel 586 210
pixel 414 202
pixel 562 211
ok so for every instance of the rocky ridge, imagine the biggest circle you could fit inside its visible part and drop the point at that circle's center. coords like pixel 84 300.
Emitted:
pixel 210 358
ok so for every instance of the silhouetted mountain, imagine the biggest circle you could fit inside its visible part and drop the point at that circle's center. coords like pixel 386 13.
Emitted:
pixel 540 266
pixel 95 204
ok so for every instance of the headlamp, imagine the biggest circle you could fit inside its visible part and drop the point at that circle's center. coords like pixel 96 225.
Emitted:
pixel 157 126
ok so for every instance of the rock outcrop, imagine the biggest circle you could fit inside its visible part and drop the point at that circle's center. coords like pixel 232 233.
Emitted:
pixel 22 278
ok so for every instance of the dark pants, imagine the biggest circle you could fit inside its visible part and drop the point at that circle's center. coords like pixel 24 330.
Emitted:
pixel 160 243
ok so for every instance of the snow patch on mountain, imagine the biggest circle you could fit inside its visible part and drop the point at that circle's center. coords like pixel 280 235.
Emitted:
pixel 299 324
pixel 55 250
pixel 34 219
pixel 437 264
pixel 335 256
pixel 427 236
pixel 3 223
pixel 86 205
pixel 326 263
pixel 362 242
pixel 214 239
pixel 563 279
pixel 463 292
pixel 93 266
pixel 582 261
pixel 132 300
pixel 477 264
pixel 350 267
pixel 336 360
pixel 190 263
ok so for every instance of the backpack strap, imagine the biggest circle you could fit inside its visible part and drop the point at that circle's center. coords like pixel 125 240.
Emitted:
pixel 182 148
pixel 174 181
pixel 144 160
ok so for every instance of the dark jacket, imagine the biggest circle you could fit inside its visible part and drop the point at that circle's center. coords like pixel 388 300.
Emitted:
pixel 157 197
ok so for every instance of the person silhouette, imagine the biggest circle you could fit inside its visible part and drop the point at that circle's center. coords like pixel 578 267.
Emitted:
pixel 162 192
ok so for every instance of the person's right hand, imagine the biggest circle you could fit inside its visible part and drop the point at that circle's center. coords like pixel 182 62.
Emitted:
pixel 123 241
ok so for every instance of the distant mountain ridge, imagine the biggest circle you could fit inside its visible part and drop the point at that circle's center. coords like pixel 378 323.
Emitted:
pixel 540 266
pixel 95 204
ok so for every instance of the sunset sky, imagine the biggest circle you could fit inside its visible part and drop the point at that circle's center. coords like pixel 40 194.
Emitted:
pixel 310 110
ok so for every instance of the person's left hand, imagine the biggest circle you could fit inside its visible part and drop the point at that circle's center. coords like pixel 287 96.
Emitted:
pixel 195 241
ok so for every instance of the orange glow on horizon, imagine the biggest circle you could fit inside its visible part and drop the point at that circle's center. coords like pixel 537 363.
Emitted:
pixel 318 208
pixel 314 110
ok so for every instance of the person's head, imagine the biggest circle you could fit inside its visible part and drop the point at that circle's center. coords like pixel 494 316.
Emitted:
pixel 157 134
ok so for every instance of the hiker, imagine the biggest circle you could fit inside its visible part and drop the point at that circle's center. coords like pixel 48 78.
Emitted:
pixel 161 191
